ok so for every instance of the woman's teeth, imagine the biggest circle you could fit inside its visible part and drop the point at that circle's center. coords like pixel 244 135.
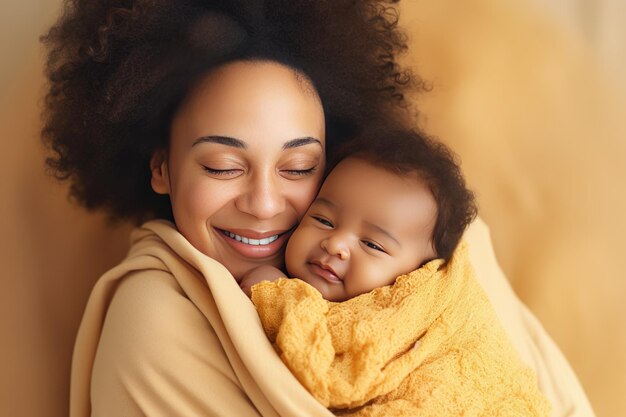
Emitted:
pixel 249 241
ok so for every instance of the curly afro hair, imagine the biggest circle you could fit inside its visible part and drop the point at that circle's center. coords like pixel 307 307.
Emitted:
pixel 403 151
pixel 118 69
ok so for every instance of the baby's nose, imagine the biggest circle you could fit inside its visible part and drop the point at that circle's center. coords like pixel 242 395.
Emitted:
pixel 335 246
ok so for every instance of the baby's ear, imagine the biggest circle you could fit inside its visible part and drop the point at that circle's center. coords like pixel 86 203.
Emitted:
pixel 160 176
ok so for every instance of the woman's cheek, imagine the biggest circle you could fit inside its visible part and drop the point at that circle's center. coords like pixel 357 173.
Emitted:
pixel 206 196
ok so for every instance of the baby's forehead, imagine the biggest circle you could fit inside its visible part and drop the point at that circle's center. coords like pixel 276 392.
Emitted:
pixel 380 195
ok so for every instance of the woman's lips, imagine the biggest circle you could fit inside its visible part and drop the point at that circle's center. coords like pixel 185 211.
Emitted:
pixel 325 272
pixel 252 244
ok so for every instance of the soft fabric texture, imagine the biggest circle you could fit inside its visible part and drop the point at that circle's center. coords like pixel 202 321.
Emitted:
pixel 168 332
pixel 429 345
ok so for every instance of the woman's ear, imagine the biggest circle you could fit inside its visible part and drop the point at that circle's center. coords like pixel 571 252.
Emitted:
pixel 160 181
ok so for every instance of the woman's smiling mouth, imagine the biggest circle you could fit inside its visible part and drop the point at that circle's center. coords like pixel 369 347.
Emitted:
pixel 250 241
pixel 252 244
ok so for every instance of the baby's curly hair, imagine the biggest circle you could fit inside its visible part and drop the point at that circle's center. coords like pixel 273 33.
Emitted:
pixel 118 69
pixel 403 151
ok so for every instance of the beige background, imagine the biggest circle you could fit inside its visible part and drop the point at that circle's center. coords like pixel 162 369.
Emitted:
pixel 531 95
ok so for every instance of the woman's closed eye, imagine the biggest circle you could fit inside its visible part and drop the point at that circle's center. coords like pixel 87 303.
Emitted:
pixel 301 172
pixel 223 173
pixel 299 163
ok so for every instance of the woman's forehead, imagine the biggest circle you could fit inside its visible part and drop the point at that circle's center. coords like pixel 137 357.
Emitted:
pixel 251 100
pixel 253 78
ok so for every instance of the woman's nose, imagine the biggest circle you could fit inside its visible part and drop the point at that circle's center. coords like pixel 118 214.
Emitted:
pixel 336 245
pixel 262 198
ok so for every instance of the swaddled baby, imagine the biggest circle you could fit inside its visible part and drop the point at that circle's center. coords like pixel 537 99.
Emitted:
pixel 386 317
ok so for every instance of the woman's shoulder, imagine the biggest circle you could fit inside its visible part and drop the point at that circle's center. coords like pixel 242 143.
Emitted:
pixel 143 287
pixel 162 285
pixel 149 318
pixel 145 299
pixel 155 349
pixel 152 298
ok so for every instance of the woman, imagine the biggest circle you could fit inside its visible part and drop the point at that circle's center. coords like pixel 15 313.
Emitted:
pixel 216 117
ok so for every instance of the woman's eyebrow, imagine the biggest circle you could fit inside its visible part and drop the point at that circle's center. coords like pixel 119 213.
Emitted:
pixel 238 143
pixel 294 143
pixel 222 140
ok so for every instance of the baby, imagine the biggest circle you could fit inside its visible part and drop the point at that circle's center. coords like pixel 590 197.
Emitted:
pixel 386 316
pixel 385 210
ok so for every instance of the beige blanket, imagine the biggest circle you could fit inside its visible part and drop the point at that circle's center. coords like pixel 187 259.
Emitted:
pixel 168 332
pixel 429 345
pixel 174 312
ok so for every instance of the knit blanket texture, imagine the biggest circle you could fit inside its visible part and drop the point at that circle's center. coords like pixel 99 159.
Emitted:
pixel 428 345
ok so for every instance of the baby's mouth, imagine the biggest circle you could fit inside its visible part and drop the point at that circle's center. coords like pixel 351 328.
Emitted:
pixel 325 271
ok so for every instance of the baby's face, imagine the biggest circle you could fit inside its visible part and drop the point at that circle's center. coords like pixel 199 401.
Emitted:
pixel 366 227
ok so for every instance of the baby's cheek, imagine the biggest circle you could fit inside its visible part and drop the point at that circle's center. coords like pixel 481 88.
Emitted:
pixel 296 254
pixel 370 275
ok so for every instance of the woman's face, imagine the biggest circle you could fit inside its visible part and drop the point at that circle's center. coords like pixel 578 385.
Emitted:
pixel 246 158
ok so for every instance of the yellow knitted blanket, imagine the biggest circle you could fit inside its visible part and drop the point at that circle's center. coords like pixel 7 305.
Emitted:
pixel 428 345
